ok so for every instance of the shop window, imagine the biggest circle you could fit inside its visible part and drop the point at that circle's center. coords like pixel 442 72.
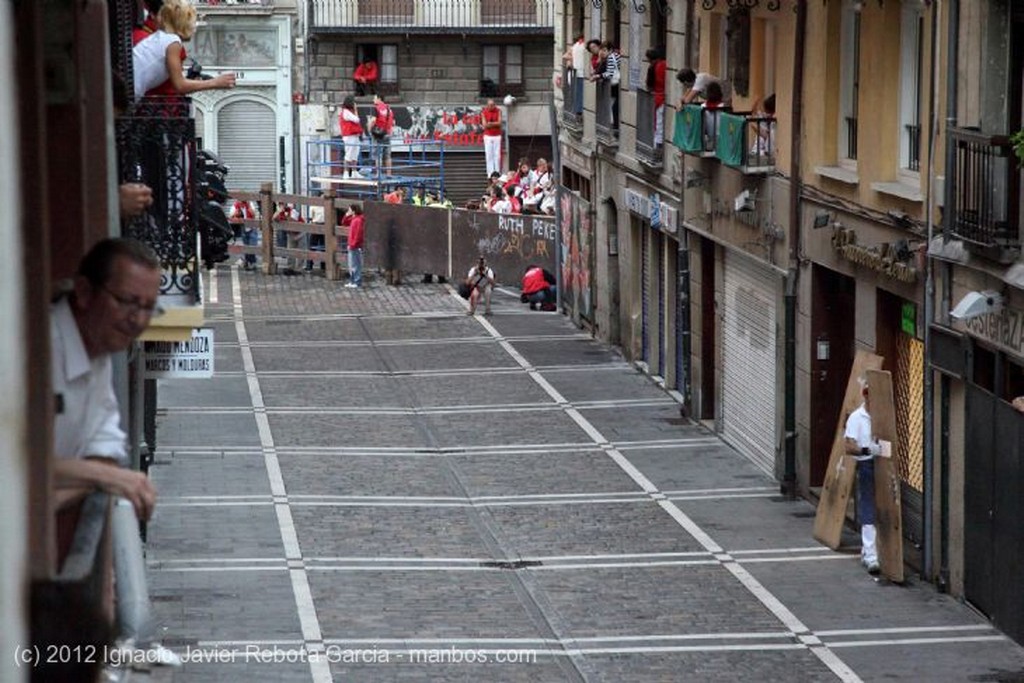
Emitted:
pixel 983 368
pixel 502 71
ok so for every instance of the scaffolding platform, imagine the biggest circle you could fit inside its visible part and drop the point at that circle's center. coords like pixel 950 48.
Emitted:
pixel 414 165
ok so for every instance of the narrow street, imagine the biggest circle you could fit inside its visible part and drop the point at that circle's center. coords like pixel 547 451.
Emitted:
pixel 378 487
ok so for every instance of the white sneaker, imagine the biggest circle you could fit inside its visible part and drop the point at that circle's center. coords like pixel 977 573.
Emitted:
pixel 351 285
pixel 356 175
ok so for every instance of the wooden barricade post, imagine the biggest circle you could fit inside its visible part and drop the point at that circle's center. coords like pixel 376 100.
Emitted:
pixel 842 468
pixel 267 227
pixel 330 236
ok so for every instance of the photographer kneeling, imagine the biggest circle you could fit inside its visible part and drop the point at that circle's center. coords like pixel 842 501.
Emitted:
pixel 539 288
pixel 479 283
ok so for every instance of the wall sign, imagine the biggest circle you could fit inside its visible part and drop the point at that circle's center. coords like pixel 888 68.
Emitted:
pixel 660 215
pixel 190 359
pixel 1004 329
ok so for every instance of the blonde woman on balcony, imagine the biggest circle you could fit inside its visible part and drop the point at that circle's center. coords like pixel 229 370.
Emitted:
pixel 158 60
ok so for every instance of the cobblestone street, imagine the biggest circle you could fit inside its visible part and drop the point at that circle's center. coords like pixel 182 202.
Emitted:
pixel 408 493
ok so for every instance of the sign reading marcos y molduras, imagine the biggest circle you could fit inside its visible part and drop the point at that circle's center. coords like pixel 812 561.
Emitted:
pixel 192 358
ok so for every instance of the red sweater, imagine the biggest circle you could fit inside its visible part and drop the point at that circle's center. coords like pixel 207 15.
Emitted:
pixel 533 281
pixel 355 233
pixel 366 73
pixel 349 127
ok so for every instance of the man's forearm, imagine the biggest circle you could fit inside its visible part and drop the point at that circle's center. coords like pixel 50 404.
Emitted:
pixel 76 472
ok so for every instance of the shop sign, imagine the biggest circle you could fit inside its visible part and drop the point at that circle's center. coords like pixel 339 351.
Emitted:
pixel 660 215
pixel 188 359
pixel 1004 329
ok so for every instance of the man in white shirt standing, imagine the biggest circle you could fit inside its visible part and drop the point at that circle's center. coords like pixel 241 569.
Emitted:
pixel 114 297
pixel 861 444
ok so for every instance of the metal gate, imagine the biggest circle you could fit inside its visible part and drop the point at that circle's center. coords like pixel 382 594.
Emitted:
pixel 908 392
pixel 645 269
pixel 749 360
pixel 247 142
pixel 658 291
pixel 993 508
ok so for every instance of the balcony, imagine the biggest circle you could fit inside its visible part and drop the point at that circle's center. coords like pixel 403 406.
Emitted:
pixel 650 131
pixel 572 100
pixel 515 17
pixel 986 200
pixel 697 130
pixel 746 142
pixel 242 7
pixel 607 116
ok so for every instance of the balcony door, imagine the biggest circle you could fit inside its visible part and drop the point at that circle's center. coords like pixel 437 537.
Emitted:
pixel 1016 113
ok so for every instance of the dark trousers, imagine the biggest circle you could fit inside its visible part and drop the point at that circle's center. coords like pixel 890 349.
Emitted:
pixel 866 491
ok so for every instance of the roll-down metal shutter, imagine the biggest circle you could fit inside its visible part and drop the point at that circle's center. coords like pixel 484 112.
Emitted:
pixel 645 288
pixel 465 173
pixel 247 142
pixel 748 360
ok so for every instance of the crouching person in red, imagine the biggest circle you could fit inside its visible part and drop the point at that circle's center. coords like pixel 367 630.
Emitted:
pixel 538 289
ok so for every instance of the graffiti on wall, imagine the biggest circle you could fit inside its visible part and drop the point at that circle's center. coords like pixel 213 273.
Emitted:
pixel 577 256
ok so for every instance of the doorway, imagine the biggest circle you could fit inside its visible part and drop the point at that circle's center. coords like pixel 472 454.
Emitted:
pixel 707 329
pixel 833 299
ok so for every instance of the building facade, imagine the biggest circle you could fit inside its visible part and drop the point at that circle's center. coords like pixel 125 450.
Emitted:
pixel 439 62
pixel 744 259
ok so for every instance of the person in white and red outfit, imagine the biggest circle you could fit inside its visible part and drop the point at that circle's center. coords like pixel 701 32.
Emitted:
pixel 381 126
pixel 241 211
pixel 492 137
pixel 355 246
pixel 351 134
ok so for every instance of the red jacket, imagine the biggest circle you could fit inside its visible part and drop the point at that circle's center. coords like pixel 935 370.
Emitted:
pixel 366 72
pixel 355 232
pixel 385 118
pixel 491 115
pixel 659 66
pixel 349 127
pixel 533 281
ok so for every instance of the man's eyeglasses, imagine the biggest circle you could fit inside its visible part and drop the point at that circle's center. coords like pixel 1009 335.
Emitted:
pixel 134 306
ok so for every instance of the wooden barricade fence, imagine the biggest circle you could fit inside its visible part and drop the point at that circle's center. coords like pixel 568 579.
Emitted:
pixel 405 237
pixel 334 235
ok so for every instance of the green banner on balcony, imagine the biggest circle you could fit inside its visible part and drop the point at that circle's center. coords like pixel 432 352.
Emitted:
pixel 731 139
pixel 687 135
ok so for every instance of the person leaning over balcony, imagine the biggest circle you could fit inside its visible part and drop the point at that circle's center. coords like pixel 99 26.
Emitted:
pixel 712 104
pixel 656 86
pixel 694 85
pixel 114 296
pixel 492 136
pixel 594 49
pixel 351 134
pixel 764 133
pixel 577 53
pixel 157 60
pixel 366 76
pixel 611 75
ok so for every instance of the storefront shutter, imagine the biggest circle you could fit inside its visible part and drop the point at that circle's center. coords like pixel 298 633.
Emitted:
pixel 247 142
pixel 749 360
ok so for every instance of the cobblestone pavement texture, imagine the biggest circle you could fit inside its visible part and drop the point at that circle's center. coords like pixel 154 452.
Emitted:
pixel 376 487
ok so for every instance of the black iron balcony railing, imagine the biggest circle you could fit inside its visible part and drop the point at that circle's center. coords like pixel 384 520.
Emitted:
pixel 572 100
pixel 606 117
pixel 851 137
pixel 913 132
pixel 232 4
pixel 986 204
pixel 432 16
pixel 156 144
pixel 650 129
pixel 746 141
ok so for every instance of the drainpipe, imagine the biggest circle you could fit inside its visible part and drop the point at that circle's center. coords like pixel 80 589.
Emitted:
pixel 789 484
pixel 684 366
pixel 556 161
pixel 952 58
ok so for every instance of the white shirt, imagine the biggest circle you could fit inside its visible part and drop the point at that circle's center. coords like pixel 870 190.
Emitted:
pixel 858 428
pixel 89 422
pixel 484 283
pixel 149 61
pixel 579 57
pixel 700 84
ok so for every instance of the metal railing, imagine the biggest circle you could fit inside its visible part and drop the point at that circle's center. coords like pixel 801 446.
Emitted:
pixel 156 144
pixel 984 174
pixel 760 138
pixel 606 116
pixel 650 132
pixel 572 99
pixel 851 137
pixel 745 141
pixel 432 16
pixel 232 4
pixel 913 131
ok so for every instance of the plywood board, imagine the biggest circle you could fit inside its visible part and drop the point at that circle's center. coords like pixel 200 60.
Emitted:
pixel 888 520
pixel 839 477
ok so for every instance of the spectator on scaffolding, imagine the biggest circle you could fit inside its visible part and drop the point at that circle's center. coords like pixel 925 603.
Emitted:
pixel 351 135
pixel 421 198
pixel 439 202
pixel 157 59
pixel 515 198
pixel 540 186
pixel 382 124
pixel 520 178
pixel 397 196
pixel 488 195
pixel 366 76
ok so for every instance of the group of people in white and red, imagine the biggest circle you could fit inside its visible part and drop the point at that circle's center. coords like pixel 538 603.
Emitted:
pixel 524 190
pixel 379 126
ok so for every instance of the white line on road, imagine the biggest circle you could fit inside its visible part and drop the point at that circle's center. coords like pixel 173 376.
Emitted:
pixel 308 620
